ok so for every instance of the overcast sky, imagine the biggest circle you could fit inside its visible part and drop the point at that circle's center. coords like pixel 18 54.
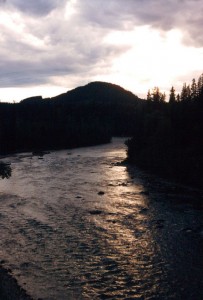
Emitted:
pixel 50 46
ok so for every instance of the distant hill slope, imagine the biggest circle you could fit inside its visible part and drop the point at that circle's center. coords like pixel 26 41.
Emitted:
pixel 97 91
pixel 84 116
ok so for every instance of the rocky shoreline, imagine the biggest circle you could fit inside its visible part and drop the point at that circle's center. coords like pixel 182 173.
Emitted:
pixel 9 288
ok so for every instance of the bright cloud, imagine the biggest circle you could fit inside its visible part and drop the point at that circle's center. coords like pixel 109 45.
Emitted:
pixel 50 46
pixel 154 59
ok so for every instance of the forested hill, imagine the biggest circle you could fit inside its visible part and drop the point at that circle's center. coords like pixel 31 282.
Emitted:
pixel 87 115
pixel 97 92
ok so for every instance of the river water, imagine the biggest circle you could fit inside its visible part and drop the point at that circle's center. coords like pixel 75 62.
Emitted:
pixel 78 224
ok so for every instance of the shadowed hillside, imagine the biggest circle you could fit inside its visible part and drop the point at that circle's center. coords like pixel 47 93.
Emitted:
pixel 98 92
pixel 85 116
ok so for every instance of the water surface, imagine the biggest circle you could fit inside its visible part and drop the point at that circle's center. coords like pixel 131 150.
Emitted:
pixel 79 224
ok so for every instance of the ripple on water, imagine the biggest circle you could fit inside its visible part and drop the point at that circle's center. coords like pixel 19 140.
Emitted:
pixel 63 240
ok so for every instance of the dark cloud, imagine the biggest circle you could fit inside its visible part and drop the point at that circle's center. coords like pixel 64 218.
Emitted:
pixel 36 7
pixel 74 44
pixel 53 48
pixel 185 15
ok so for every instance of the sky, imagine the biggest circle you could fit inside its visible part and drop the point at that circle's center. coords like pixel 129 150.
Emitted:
pixel 48 47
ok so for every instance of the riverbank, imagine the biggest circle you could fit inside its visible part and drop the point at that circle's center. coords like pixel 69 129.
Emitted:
pixel 177 164
pixel 9 288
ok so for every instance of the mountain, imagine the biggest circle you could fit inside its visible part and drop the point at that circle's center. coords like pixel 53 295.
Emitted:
pixel 84 116
pixel 97 92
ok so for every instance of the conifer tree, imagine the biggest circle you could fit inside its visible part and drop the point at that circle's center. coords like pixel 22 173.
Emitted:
pixel 149 96
pixel 193 89
pixel 157 96
pixel 163 97
pixel 178 98
pixel 183 95
pixel 188 93
pixel 200 86
pixel 172 96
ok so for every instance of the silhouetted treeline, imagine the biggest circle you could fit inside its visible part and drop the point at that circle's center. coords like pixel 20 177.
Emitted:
pixel 168 136
pixel 84 116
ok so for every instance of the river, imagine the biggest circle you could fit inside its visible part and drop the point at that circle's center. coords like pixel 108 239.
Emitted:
pixel 79 224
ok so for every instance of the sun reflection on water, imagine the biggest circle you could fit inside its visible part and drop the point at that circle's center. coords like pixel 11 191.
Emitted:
pixel 85 226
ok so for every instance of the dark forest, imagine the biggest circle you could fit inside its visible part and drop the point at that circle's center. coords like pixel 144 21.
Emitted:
pixel 168 136
pixel 165 137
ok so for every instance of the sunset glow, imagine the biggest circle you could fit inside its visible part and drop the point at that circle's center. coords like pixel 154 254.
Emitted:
pixel 48 48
